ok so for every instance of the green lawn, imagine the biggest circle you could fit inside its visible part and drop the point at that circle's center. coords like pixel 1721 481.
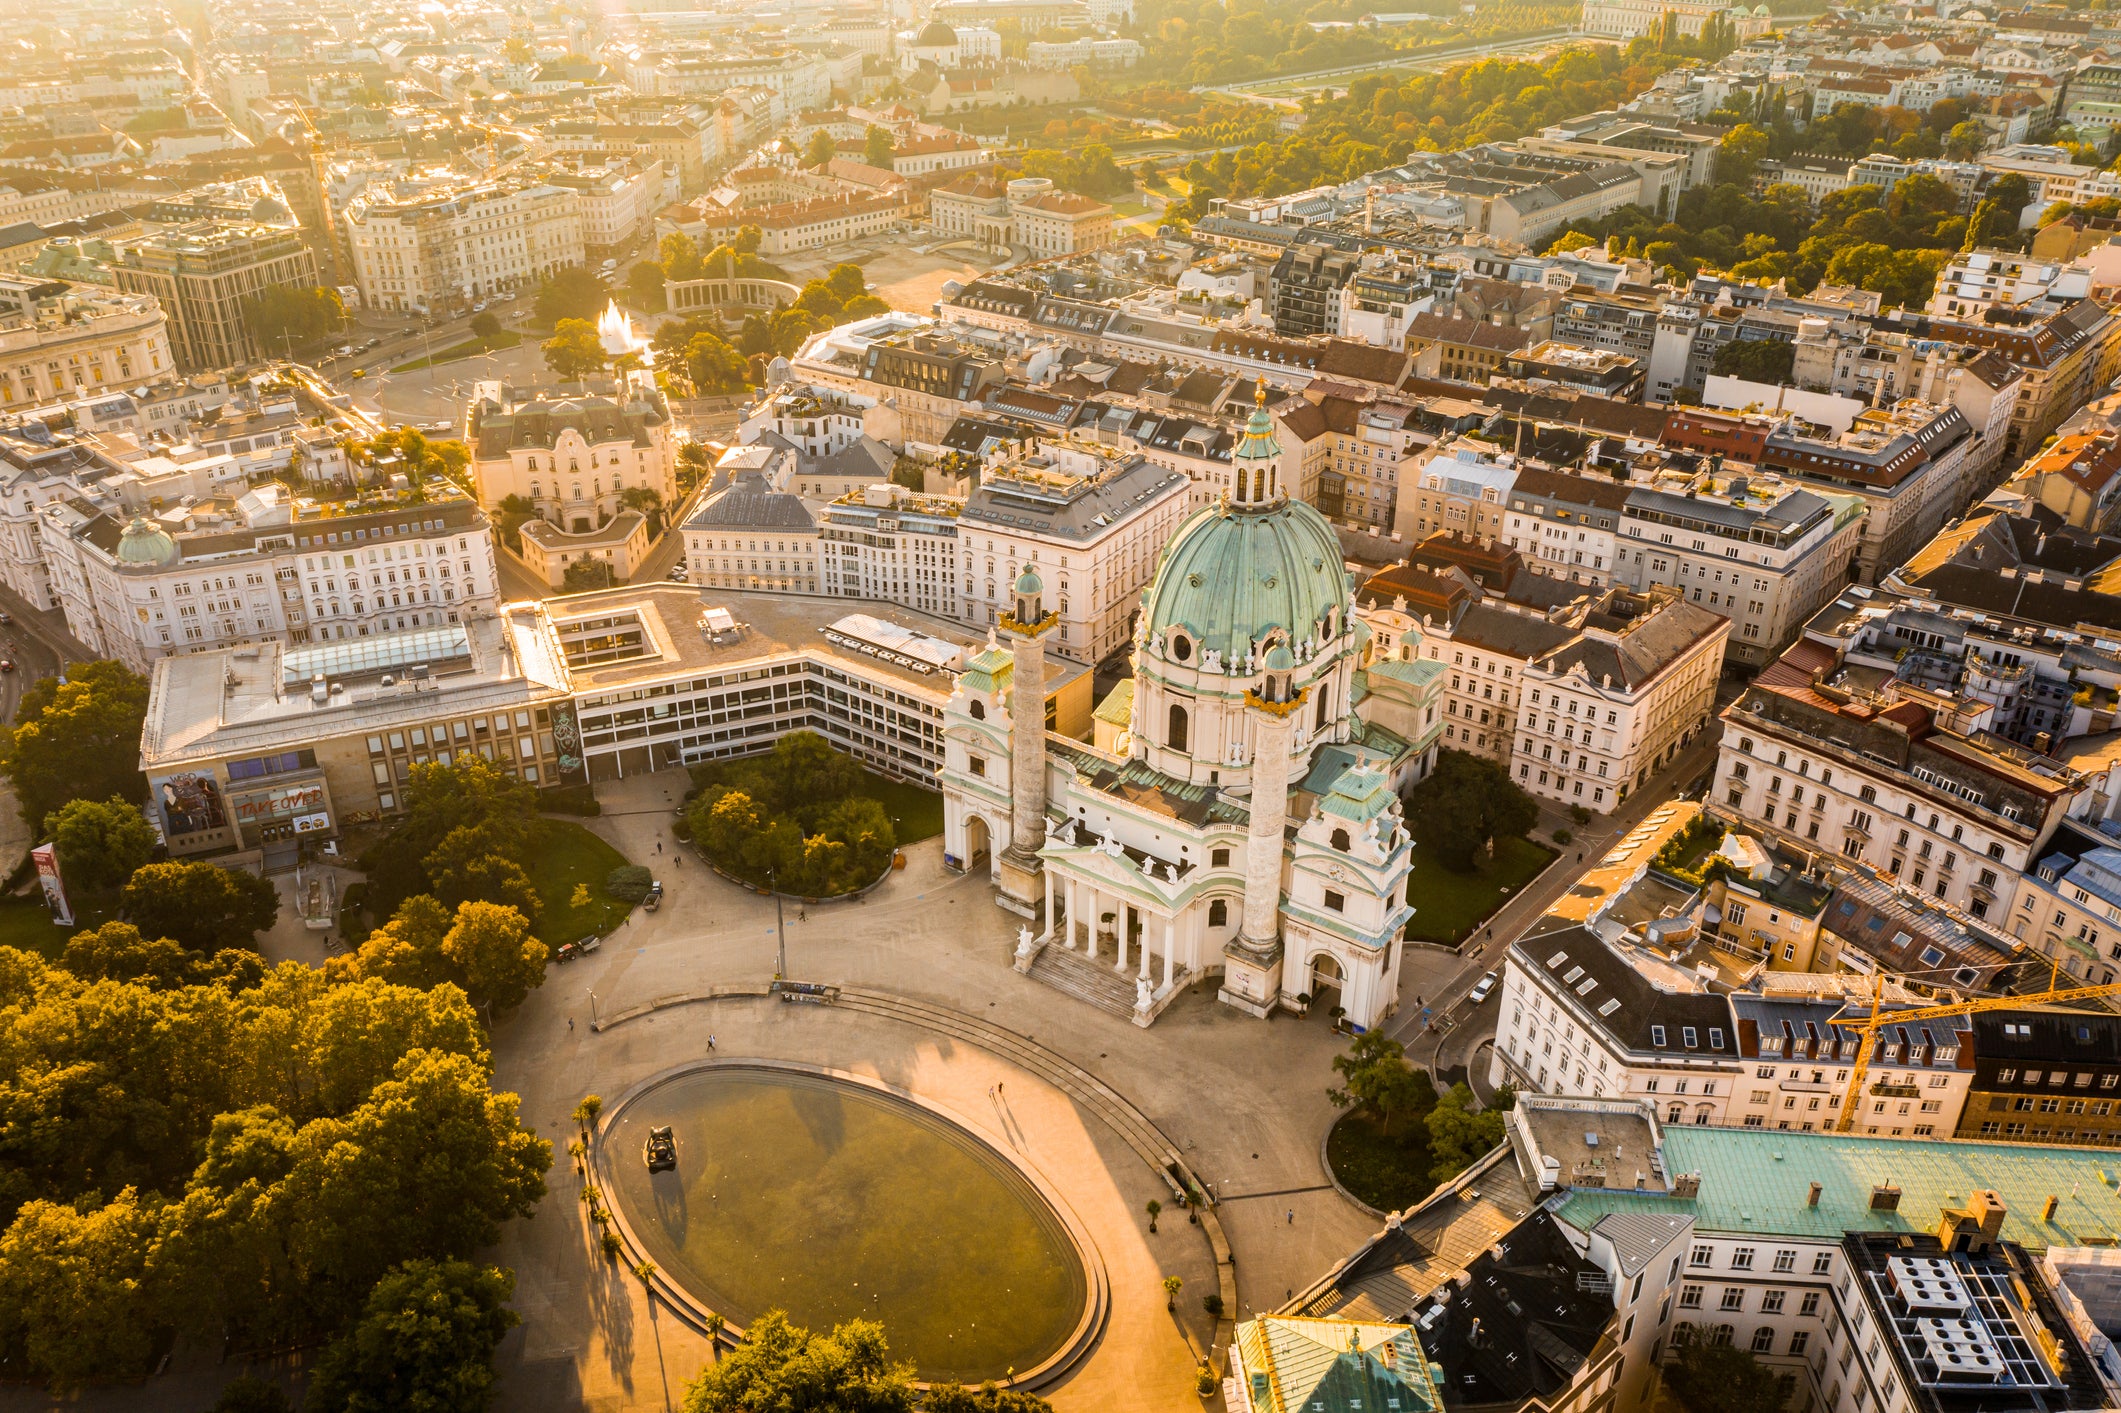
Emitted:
pixel 562 854
pixel 470 348
pixel 1388 1171
pixel 1449 905
pixel 27 924
pixel 917 813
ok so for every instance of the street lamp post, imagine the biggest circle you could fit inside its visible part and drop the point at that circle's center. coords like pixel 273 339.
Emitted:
pixel 780 929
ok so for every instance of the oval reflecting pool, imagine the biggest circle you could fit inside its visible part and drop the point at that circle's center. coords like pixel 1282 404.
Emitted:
pixel 832 1201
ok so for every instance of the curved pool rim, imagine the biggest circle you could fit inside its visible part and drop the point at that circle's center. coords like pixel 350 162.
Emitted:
pixel 1097 1294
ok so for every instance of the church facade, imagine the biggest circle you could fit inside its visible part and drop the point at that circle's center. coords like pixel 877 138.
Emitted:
pixel 1242 820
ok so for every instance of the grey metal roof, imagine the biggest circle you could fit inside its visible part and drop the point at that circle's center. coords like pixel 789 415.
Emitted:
pixel 748 505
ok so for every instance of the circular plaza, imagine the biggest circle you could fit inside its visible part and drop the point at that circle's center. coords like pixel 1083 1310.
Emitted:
pixel 833 1196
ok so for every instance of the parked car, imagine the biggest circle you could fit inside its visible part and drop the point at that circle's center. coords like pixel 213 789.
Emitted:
pixel 479 308
pixel 660 1152
pixel 1481 988
pixel 679 575
pixel 6 619
pixel 372 343
pixel 654 899
pixel 7 664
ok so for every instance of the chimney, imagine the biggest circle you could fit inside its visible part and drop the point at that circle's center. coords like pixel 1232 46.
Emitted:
pixel 1475 1335
pixel 1811 1198
pixel 1687 1186
pixel 2047 1209
pixel 1989 1210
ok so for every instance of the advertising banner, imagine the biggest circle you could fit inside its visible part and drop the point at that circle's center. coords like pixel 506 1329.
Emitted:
pixel 54 888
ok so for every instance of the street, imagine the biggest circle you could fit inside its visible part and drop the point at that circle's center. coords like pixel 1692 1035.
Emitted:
pixel 1451 1041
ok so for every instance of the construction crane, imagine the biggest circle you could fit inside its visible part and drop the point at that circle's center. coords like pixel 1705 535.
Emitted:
pixel 1867 1027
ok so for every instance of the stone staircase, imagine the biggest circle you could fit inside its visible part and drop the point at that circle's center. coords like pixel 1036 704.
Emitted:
pixel 1094 983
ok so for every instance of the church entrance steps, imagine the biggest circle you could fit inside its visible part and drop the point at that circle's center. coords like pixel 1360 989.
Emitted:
pixel 1094 982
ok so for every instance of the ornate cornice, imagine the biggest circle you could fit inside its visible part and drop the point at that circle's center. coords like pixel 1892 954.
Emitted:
pixel 1254 699
pixel 1009 622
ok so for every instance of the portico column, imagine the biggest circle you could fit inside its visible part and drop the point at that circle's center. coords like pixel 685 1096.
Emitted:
pixel 1121 932
pixel 1096 908
pixel 1068 899
pixel 1143 947
pixel 1049 901
pixel 1170 945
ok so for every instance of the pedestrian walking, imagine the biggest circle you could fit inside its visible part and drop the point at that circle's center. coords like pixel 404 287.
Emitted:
pixel 1292 1216
pixel 659 846
pixel 710 1041
pixel 570 1025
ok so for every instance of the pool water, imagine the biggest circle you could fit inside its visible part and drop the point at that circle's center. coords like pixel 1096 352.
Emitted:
pixel 833 1201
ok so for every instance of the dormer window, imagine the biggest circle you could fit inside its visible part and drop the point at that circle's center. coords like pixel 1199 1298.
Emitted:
pixel 1657 1036
pixel 1181 648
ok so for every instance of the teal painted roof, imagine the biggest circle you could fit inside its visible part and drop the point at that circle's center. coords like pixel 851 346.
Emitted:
pixel 987 669
pixel 145 543
pixel 1117 709
pixel 1754 1181
pixel 1230 577
pixel 1335 1366
pixel 1361 793
pixel 1259 443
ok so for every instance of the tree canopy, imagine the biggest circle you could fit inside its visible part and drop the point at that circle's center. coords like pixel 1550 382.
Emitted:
pixel 1375 1075
pixel 1716 1378
pixel 76 740
pixel 484 949
pixel 242 1158
pixel 280 315
pixel 454 813
pixel 784 1366
pixel 1458 1136
pixel 572 293
pixel 424 1342
pixel 101 842
pixel 574 350
pixel 1466 802
pixel 794 819
pixel 200 906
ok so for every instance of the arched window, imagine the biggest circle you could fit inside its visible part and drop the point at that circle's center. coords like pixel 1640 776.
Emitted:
pixel 1218 913
pixel 978 709
pixel 1325 691
pixel 1176 737
pixel 1340 840
pixel 1181 648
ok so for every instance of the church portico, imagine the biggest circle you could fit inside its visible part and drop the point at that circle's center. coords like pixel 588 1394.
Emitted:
pixel 1167 852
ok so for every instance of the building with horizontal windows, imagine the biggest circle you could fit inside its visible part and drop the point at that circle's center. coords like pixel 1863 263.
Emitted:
pixel 264 567
pixel 2045 1077
pixel 263 745
pixel 204 274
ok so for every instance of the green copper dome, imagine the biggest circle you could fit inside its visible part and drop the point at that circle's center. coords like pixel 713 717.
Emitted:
pixel 144 543
pixel 1028 582
pixel 1231 577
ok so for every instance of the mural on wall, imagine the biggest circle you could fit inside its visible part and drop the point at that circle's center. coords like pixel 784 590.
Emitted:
pixel 189 803
pixel 567 743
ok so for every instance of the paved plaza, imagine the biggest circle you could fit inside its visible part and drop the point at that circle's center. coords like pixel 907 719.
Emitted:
pixel 1242 1100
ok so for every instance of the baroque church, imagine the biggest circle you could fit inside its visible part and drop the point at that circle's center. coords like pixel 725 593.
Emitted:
pixel 1243 821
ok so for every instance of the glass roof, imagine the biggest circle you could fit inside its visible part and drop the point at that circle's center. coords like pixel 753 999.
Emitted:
pixel 360 657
